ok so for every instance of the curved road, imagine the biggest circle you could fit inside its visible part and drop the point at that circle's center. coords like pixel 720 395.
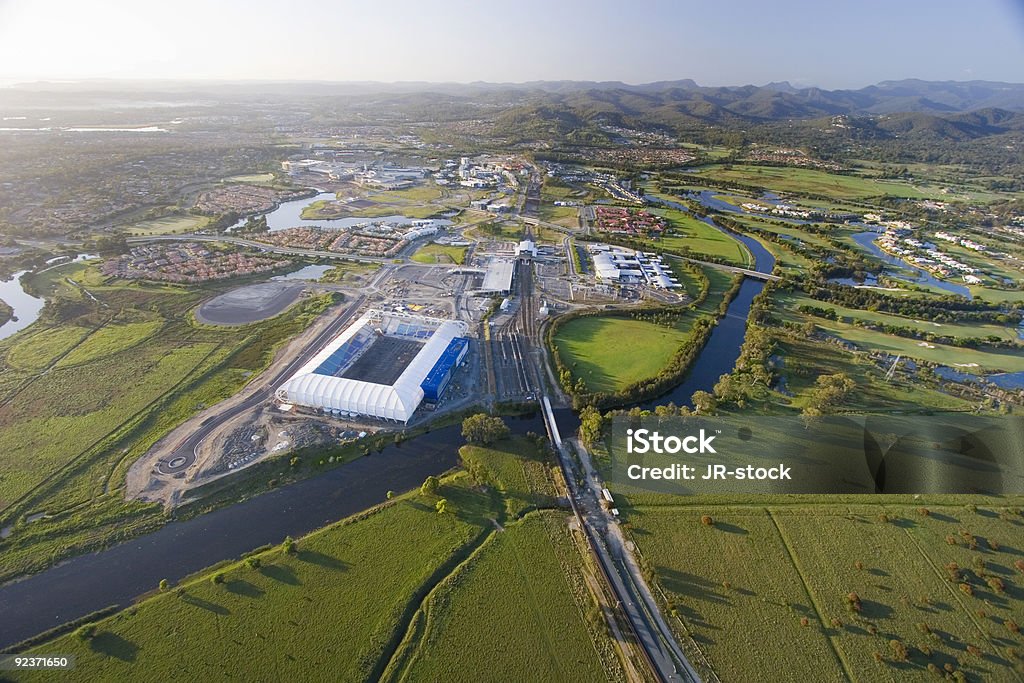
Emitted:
pixel 185 451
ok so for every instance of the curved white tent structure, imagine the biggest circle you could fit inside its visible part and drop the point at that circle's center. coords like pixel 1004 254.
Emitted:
pixel 321 382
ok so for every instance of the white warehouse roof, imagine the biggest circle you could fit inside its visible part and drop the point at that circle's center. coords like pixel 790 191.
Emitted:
pixel 397 401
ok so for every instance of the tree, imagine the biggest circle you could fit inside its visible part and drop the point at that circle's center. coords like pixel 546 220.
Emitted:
pixel 217 578
pixel 430 486
pixel 704 403
pixel 483 429
pixel 86 631
pixel 253 562
pixel 164 585
pixel 441 506
pixel 591 425
pixel 478 472
pixel 390 495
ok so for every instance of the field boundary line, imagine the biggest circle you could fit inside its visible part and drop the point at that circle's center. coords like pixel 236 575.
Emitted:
pixel 810 595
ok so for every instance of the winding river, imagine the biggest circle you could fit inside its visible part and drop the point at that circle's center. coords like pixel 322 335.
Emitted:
pixel 722 349
pixel 26 307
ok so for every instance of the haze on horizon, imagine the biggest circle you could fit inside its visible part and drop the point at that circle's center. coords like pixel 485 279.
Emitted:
pixel 847 45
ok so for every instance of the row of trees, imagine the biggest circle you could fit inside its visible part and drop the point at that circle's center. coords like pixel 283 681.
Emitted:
pixel 942 309
pixel 989 341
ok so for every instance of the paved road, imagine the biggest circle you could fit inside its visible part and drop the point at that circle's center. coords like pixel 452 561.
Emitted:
pixel 287 251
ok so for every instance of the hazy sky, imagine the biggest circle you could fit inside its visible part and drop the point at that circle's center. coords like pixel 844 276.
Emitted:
pixel 831 43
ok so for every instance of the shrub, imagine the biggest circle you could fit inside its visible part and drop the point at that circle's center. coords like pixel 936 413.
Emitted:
pixel 899 650
pixel 289 545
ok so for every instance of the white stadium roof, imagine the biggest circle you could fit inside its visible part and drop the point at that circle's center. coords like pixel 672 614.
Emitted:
pixel 396 401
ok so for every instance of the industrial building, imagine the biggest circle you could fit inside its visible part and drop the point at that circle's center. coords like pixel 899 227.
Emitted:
pixel 625 266
pixel 379 366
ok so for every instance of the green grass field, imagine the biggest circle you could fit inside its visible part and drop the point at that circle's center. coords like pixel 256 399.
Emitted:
pixel 1004 360
pixel 699 238
pixel 561 215
pixel 404 579
pixel 531 629
pixel 508 231
pixel 420 201
pixel 109 379
pixel 838 187
pixel 349 271
pixel 789 302
pixel 611 353
pixel 440 253
pixel 168 226
pixel 255 178
pixel 764 567
pixel 803 361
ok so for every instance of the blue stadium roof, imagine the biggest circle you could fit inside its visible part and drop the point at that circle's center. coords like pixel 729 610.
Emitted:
pixel 439 373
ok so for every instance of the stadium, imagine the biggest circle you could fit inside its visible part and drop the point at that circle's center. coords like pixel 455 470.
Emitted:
pixel 383 365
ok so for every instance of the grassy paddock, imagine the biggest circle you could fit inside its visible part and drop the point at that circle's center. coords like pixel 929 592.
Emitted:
pixel 168 226
pixel 610 353
pixel 395 591
pixel 764 567
pixel 440 253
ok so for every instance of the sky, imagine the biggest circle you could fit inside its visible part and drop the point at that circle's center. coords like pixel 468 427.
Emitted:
pixel 833 44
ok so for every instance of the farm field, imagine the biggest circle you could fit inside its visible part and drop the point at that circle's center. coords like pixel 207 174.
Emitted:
pixel 255 178
pixel 529 609
pixel 439 253
pixel 358 591
pixel 591 347
pixel 766 567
